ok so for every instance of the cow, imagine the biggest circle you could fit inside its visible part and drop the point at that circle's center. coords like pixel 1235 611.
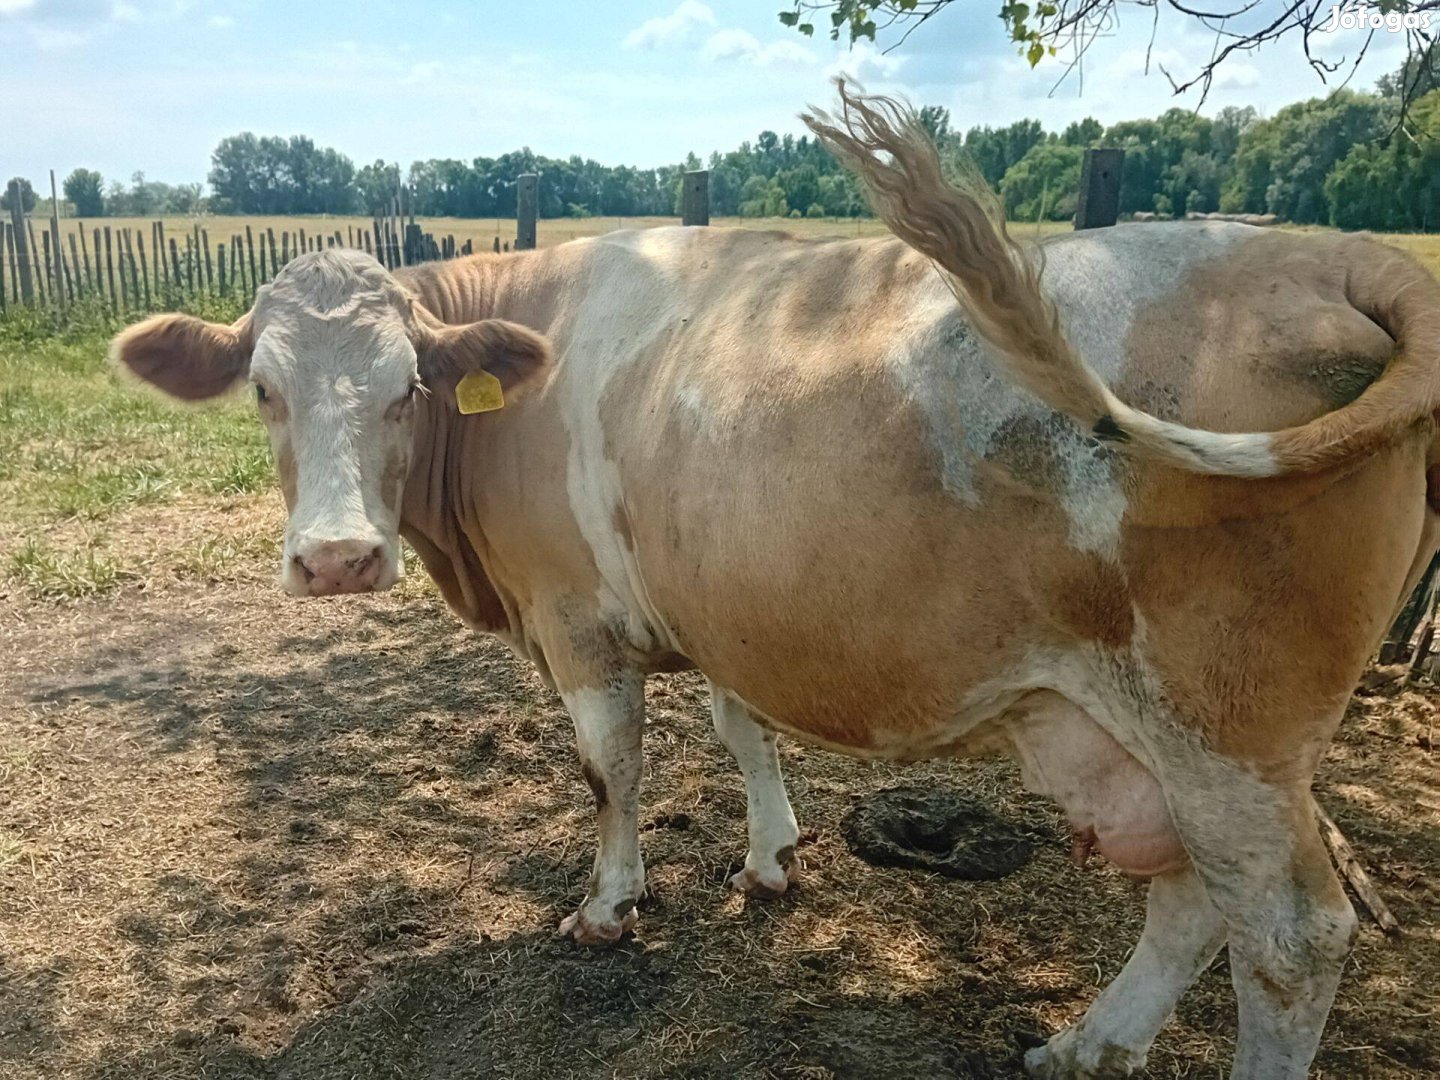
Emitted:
pixel 1138 520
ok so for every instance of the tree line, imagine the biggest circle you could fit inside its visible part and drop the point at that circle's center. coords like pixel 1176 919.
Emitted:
pixel 1345 160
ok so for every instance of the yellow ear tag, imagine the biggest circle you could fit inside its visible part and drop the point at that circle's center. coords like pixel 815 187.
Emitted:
pixel 479 392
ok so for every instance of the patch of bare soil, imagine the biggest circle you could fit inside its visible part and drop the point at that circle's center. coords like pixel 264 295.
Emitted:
pixel 242 836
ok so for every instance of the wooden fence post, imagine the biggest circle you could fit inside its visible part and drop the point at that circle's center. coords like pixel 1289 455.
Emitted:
pixel 250 253
pixel 9 239
pixel 36 264
pixel 175 278
pixel 110 273
pixel 99 265
pixel 527 209
pixel 77 264
pixel 85 258
pixel 1099 202
pixel 22 249
pixel 49 262
pixel 695 198
pixel 59 292
pixel 160 263
pixel 144 266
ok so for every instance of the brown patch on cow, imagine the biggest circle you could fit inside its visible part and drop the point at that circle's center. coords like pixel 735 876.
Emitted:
pixel 1260 627
pixel 186 357
pixel 1282 997
pixel 285 468
pixel 665 663
pixel 621 524
pixel 392 480
pixel 1090 598
pixel 597 784
pixel 1432 488
pixel 785 856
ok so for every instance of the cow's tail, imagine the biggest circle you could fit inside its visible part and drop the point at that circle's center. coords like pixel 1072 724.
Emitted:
pixel 959 224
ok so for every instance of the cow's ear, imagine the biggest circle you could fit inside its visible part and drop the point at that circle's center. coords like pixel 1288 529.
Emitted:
pixel 186 357
pixel 514 354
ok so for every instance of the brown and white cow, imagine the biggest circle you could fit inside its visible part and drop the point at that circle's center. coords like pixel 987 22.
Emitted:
pixel 902 527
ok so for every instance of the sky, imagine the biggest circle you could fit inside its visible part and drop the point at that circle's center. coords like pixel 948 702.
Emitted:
pixel 153 85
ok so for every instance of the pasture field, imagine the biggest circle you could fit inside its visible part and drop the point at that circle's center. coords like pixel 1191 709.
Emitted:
pixel 549 231
pixel 247 836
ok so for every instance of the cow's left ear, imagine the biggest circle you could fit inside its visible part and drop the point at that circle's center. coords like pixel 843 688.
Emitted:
pixel 515 355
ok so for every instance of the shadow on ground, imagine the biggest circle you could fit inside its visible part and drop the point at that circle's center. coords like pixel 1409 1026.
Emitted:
pixel 339 836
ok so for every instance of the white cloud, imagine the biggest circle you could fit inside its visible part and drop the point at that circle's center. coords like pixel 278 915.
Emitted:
pixel 423 73
pixel 222 22
pixel 745 47
pixel 50 40
pixel 125 12
pixel 863 57
pixel 672 29
pixel 15 7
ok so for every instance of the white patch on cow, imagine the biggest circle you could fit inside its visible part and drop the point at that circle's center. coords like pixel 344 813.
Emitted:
pixel 333 354
pixel 692 400
pixel 631 299
pixel 1100 281
pixel 772 827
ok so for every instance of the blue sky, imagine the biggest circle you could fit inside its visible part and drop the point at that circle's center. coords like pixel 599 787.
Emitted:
pixel 121 85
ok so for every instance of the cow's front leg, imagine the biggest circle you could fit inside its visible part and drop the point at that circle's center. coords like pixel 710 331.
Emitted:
pixel 770 863
pixel 608 725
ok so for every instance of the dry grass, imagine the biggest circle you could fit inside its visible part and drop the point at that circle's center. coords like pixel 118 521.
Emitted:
pixel 483 231
pixel 551 231
pixel 245 836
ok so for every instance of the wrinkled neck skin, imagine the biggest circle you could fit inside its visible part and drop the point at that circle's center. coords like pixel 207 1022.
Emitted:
pixel 463 468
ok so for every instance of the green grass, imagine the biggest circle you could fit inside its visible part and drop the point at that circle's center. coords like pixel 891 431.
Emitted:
pixel 12 847
pixel 81 440
pixel 50 574
pixel 215 558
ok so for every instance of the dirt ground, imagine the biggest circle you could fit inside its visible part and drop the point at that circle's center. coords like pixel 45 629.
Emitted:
pixel 245 836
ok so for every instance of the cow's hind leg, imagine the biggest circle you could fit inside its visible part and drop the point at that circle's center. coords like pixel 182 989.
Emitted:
pixel 1183 932
pixel 770 863
pixel 1289 925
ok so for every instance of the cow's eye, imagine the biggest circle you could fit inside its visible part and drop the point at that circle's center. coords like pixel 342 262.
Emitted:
pixel 410 393
pixel 260 394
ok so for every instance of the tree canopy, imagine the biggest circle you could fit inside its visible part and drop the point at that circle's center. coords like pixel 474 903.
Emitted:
pixel 85 189
pixel 1341 160
pixel 18 188
pixel 1065 29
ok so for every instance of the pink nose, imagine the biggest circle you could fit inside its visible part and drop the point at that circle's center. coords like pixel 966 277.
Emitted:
pixel 340 566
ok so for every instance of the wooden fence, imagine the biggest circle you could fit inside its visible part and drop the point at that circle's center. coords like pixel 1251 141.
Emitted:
pixel 139 269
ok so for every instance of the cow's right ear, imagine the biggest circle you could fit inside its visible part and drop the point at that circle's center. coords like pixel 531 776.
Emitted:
pixel 186 357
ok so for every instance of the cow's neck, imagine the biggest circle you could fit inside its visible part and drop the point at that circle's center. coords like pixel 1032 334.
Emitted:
pixel 439 516
pixel 525 288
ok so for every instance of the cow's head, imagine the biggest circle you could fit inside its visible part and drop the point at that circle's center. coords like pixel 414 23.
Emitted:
pixel 340 356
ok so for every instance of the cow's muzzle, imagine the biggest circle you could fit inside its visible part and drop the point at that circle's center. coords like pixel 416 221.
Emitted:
pixel 332 567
